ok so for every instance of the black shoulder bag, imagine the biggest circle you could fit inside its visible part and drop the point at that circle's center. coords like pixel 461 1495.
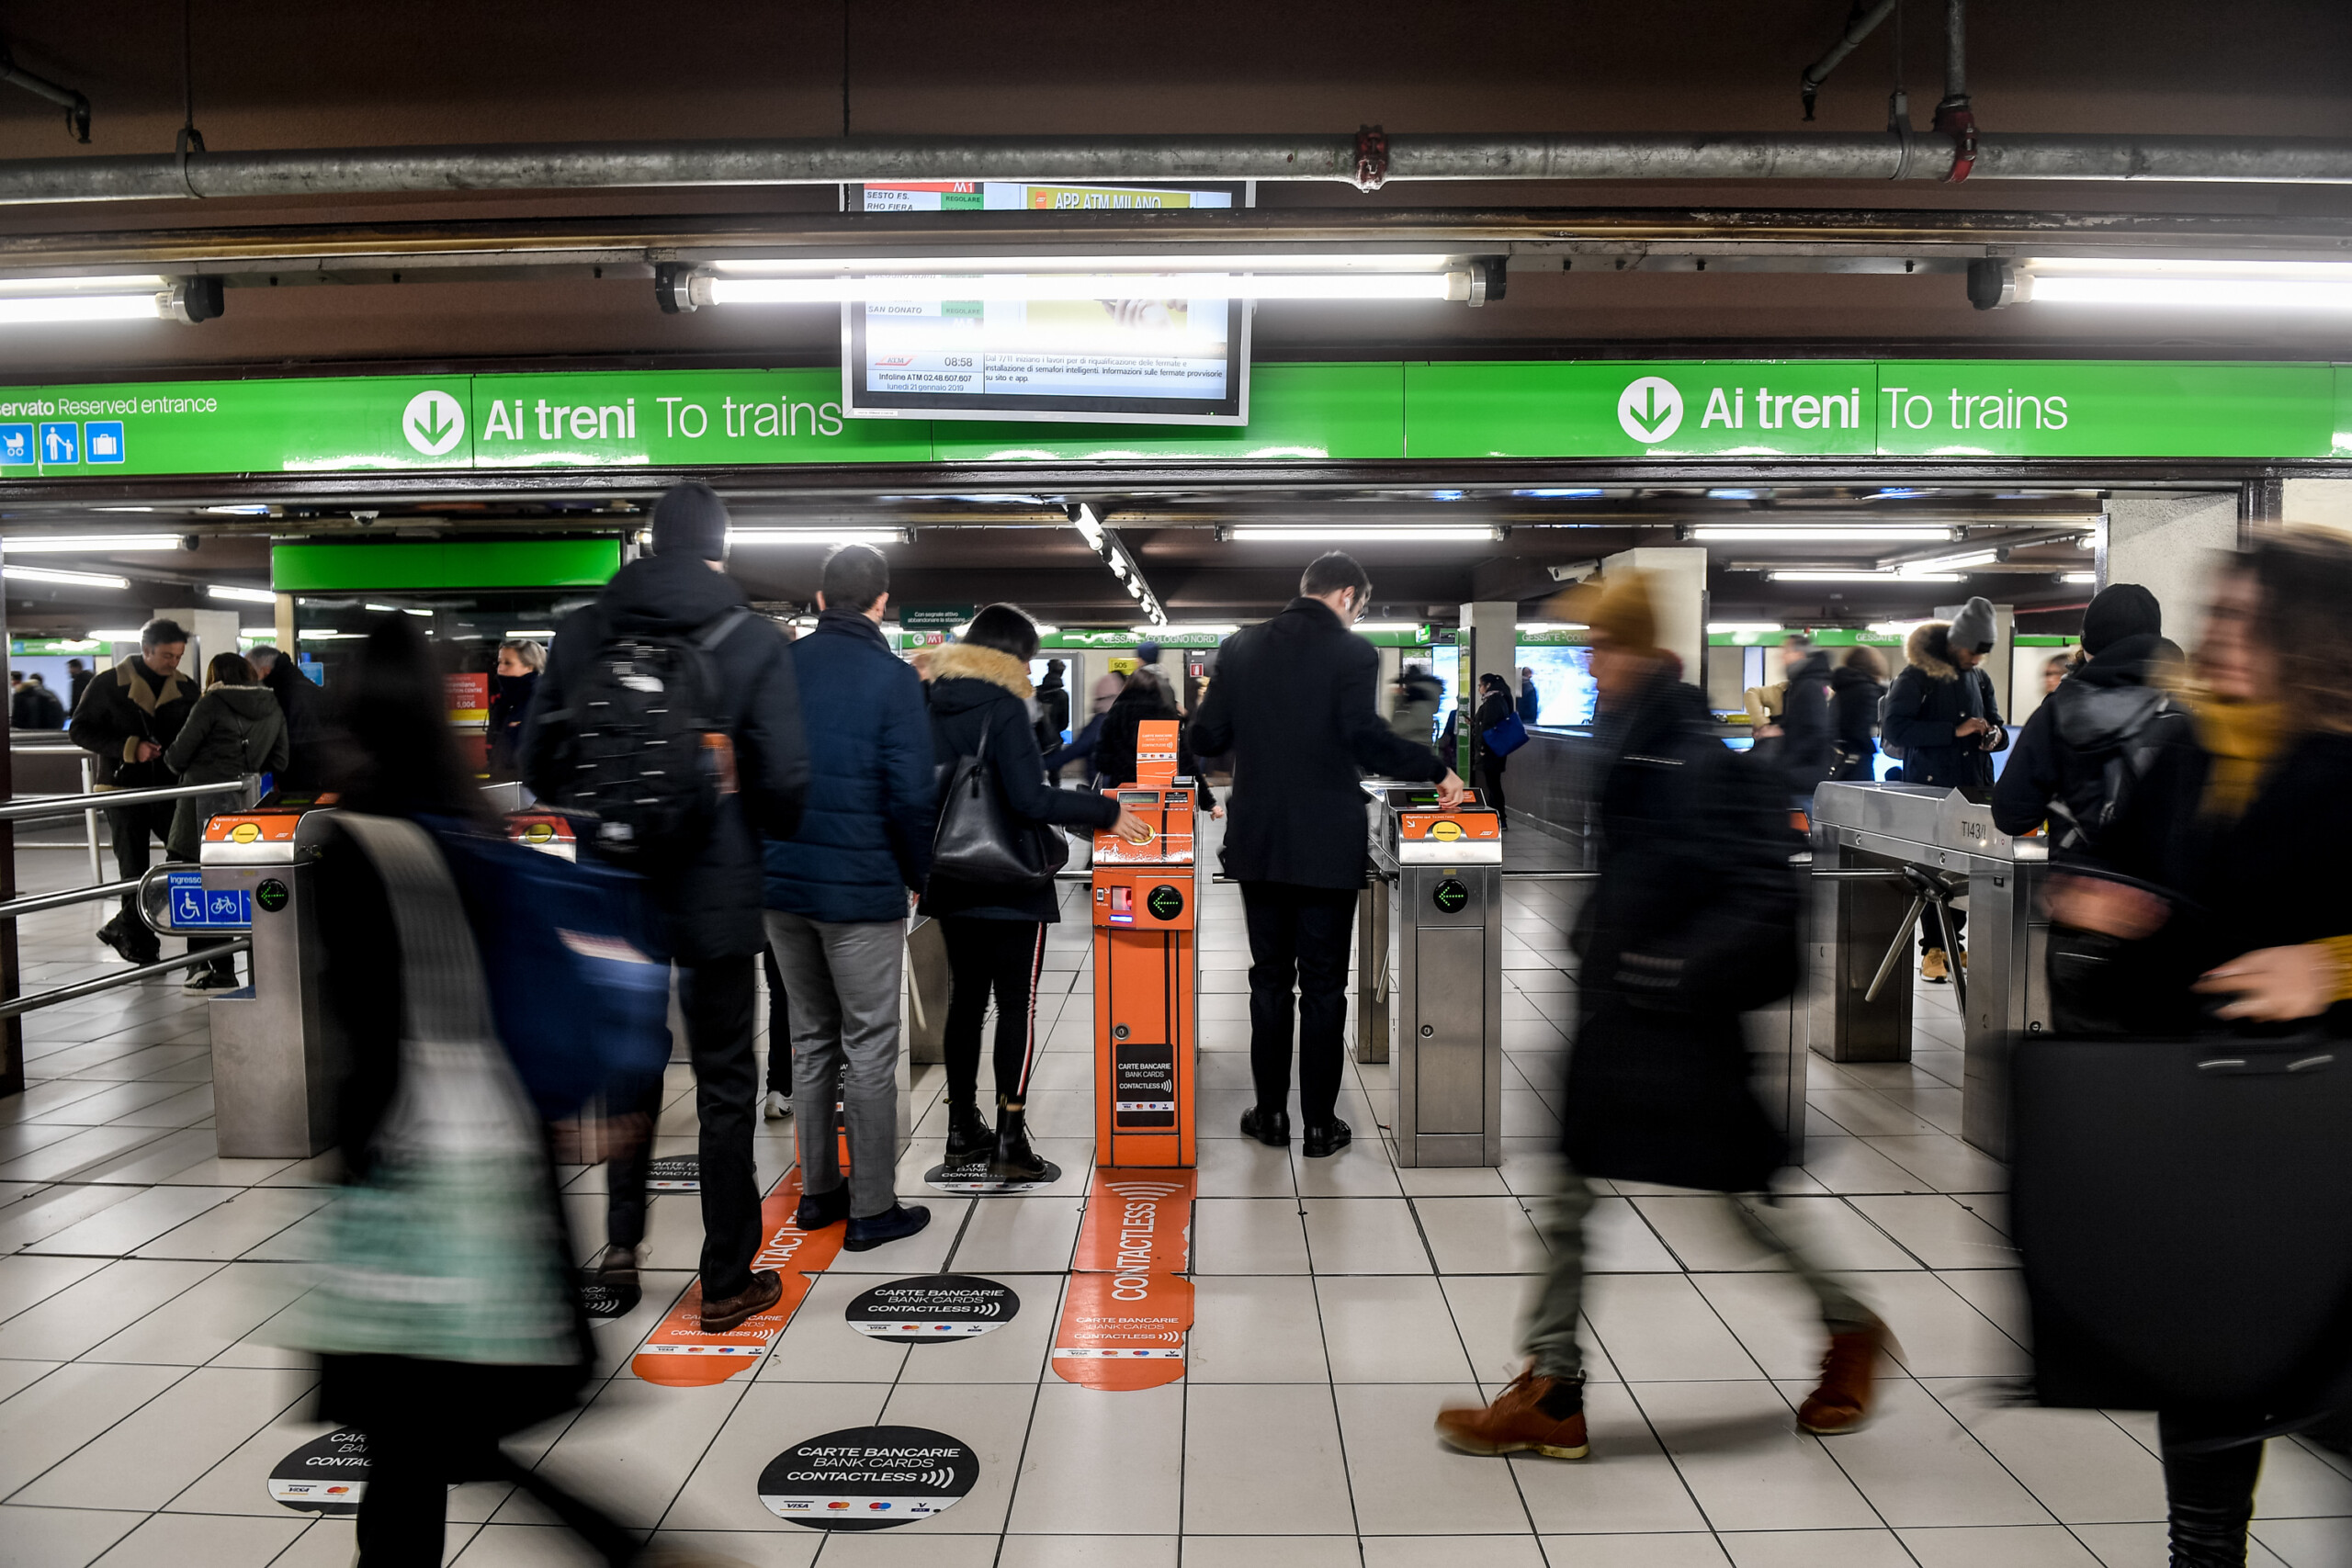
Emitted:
pixel 979 841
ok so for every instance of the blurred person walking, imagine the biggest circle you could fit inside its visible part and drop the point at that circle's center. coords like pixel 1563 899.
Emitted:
pixel 77 677
pixel 235 728
pixel 1691 924
pixel 1494 708
pixel 1413 715
pixel 1807 729
pixel 35 706
pixel 1856 688
pixel 839 888
pixel 128 717
pixel 738 769
pixel 1293 705
pixel 2220 888
pixel 443 1313
pixel 518 676
pixel 995 934
pixel 1531 701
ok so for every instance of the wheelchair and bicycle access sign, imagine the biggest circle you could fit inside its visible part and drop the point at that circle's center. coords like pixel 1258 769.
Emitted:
pixel 193 907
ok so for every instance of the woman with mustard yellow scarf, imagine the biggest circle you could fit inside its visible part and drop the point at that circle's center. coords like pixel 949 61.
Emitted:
pixel 2224 883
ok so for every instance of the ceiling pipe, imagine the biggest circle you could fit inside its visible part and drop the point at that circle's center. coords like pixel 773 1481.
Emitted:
pixel 76 107
pixel 1862 22
pixel 1737 155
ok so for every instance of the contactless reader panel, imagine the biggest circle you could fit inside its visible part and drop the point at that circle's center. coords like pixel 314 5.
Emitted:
pixel 1146 905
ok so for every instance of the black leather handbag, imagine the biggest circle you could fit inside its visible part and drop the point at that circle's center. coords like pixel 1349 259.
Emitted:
pixel 979 841
pixel 2184 1207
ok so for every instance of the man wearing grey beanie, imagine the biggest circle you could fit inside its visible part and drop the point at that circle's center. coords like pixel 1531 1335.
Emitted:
pixel 1941 711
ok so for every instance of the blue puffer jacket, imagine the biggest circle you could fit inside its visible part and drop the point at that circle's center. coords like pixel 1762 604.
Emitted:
pixel 864 835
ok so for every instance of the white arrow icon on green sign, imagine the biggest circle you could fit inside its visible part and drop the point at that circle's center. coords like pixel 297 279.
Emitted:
pixel 433 422
pixel 1650 409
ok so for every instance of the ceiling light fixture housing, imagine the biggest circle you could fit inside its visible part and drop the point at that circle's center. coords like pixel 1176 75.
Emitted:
pixel 65 579
pixel 1882 577
pixel 884 279
pixel 137 297
pixel 1368 534
pixel 77 544
pixel 2163 284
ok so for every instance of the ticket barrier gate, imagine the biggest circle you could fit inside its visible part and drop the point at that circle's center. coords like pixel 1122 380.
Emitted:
pixel 1147 968
pixel 1946 853
pixel 276 1050
pixel 1441 876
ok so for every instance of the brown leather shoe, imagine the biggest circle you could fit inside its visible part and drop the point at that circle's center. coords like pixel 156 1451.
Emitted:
pixel 1516 1421
pixel 767 1288
pixel 1842 1402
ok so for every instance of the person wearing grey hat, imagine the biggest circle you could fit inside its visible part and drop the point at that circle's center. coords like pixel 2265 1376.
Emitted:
pixel 1943 714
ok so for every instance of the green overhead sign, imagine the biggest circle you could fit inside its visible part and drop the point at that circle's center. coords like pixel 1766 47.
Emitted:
pixel 396 565
pixel 619 419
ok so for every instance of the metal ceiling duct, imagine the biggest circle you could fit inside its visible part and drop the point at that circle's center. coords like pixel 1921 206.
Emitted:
pixel 1366 159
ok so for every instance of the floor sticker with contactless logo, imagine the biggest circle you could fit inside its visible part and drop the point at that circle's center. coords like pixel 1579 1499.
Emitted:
pixel 326 1475
pixel 674 1173
pixel 678 1354
pixel 973 1176
pixel 868 1478
pixel 1128 1307
pixel 933 1308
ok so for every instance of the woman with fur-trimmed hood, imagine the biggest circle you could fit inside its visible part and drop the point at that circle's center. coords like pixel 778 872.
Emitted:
pixel 979 694
pixel 1942 712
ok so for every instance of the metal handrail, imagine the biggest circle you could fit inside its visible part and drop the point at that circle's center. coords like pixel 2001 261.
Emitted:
pixel 17 1005
pixel 53 806
pixel 32 904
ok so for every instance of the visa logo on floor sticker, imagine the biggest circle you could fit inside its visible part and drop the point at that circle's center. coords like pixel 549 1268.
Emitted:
pixel 1128 1307
pixel 678 1354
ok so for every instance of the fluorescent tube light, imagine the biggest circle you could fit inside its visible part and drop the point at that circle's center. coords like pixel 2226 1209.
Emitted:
pixel 815 536
pixel 32 301
pixel 1213 628
pixel 322 637
pixel 1119 262
pixel 1389 626
pixel 2195 284
pixel 69 578
pixel 1945 563
pixel 131 635
pixel 1895 629
pixel 1089 527
pixel 1553 627
pixel 1887 577
pixel 1736 628
pixel 1429 533
pixel 243 595
pixel 1034 287
pixel 257 633
pixel 2080 578
pixel 541 631
pixel 1808 534
pixel 59 544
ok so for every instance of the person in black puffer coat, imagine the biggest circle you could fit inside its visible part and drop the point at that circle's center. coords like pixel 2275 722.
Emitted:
pixel 1942 712
pixel 996 935
pixel 1855 688
pixel 1807 727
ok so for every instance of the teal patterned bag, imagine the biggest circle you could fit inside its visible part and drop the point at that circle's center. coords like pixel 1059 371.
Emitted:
pixel 451 1249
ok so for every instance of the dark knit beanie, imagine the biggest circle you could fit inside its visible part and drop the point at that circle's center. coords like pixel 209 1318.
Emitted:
pixel 690 520
pixel 2120 610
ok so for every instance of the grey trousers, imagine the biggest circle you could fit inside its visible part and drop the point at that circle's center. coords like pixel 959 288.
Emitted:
pixel 843 979
pixel 1550 1336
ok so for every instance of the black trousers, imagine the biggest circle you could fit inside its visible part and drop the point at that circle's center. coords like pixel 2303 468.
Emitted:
pixel 1491 780
pixel 2208 1496
pixel 131 829
pixel 779 1026
pixel 717 996
pixel 985 956
pixel 1298 936
pixel 402 1514
pixel 1933 935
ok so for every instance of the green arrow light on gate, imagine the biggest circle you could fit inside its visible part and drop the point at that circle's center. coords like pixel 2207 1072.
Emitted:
pixel 1450 897
pixel 1165 903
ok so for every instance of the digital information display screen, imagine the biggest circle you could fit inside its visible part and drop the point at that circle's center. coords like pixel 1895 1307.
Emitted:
pixel 1176 353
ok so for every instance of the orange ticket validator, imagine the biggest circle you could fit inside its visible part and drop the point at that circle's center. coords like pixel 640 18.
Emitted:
pixel 1145 967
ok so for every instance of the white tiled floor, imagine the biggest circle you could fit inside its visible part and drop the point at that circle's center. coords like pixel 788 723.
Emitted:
pixel 1340 1304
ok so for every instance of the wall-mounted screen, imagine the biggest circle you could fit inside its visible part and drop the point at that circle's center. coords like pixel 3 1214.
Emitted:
pixel 1087 348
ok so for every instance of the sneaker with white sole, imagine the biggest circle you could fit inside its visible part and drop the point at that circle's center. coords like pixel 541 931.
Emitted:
pixel 775 1107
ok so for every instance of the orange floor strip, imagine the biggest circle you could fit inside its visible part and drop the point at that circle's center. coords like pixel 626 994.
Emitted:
pixel 1130 1307
pixel 678 1354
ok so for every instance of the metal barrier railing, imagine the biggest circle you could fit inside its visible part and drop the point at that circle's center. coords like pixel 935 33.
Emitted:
pixel 16 1005
pixel 49 807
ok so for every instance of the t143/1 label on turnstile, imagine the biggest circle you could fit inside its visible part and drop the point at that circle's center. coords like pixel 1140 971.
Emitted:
pixel 1144 1092
pixel 192 905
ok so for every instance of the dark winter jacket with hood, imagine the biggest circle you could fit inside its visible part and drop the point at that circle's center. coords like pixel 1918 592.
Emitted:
pixel 1808 732
pixel 865 841
pixel 2086 746
pixel 1291 704
pixel 299 699
pixel 232 731
pixel 1691 923
pixel 1854 694
pixel 711 903
pixel 976 693
pixel 1931 698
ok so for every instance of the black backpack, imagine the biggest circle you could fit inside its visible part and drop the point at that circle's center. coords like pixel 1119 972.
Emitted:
pixel 2110 737
pixel 651 754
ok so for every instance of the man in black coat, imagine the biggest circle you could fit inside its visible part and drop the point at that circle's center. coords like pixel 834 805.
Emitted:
pixel 711 903
pixel 129 717
pixel 1291 704
pixel 1943 711
pixel 1690 925
pixel 1808 735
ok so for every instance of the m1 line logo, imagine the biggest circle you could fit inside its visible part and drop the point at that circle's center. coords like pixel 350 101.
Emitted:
pixel 434 422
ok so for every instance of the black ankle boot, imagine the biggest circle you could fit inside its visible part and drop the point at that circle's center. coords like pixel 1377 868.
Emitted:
pixel 969 1136
pixel 1014 1160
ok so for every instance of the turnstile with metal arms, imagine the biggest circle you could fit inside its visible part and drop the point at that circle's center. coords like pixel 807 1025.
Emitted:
pixel 1442 873
pixel 1947 850
pixel 275 1045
